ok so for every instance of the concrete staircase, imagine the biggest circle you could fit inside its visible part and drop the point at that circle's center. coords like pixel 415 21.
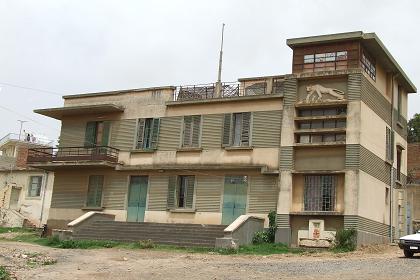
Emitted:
pixel 187 235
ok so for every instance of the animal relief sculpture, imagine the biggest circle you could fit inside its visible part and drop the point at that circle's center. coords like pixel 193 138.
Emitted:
pixel 315 93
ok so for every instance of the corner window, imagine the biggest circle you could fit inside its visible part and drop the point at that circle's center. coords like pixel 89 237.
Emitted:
pixel 191 131
pixel 34 188
pixel 368 65
pixel 237 129
pixel 320 193
pixel 94 194
pixel 147 133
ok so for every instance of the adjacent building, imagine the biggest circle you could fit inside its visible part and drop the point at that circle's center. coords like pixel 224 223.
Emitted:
pixel 413 188
pixel 324 147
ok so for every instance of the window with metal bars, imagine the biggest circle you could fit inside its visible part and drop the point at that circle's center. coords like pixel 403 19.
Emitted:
pixel 319 192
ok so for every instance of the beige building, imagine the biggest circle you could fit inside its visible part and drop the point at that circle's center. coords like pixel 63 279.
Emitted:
pixel 25 192
pixel 324 147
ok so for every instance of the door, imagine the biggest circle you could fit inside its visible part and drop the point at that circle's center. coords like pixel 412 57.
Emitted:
pixel 234 198
pixel 14 198
pixel 137 194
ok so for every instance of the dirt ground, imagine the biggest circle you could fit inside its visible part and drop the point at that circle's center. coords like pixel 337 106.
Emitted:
pixel 28 261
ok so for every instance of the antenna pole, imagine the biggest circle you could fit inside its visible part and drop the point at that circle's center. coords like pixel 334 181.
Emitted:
pixel 219 73
pixel 20 130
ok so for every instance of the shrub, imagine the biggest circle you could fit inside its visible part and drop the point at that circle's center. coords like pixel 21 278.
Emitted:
pixel 269 235
pixel 345 240
pixel 4 274
pixel 145 244
pixel 261 237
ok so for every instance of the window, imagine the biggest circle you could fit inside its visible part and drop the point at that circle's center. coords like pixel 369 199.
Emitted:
pixel 319 193
pixel 389 141
pixel 236 129
pixel 180 192
pixel 399 154
pixel 368 65
pixel 35 183
pixel 322 124
pixel 147 134
pixel 322 112
pixel 191 131
pixel 321 138
pixel 97 133
pixel 325 61
pixel 399 102
pixel 94 194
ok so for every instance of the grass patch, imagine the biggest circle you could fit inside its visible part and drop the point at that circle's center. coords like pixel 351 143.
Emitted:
pixel 4 274
pixel 15 229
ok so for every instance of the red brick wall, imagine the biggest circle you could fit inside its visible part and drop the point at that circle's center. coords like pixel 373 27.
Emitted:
pixel 21 156
pixel 413 160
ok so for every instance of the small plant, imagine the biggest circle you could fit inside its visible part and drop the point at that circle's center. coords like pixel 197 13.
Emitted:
pixel 4 274
pixel 261 237
pixel 49 262
pixel 145 244
pixel 345 240
pixel 268 236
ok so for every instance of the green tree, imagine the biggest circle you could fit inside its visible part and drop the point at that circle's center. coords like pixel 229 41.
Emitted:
pixel 414 129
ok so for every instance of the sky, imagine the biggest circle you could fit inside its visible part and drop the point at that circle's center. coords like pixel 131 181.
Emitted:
pixel 78 46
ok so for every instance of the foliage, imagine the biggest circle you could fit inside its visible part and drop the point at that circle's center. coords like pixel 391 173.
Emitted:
pixel 345 240
pixel 144 244
pixel 413 129
pixel 4 274
pixel 269 235
pixel 15 229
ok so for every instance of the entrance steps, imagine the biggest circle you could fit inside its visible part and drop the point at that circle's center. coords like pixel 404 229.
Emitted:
pixel 187 235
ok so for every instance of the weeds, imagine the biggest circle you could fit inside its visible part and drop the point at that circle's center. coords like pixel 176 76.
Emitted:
pixel 4 274
pixel 345 240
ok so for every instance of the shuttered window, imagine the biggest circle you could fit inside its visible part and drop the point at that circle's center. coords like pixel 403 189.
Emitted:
pixel 237 130
pixel 191 131
pixel 97 133
pixel 147 134
pixel 34 188
pixel 94 194
pixel 389 144
pixel 180 192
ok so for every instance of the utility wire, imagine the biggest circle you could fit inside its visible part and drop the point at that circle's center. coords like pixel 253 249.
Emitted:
pixel 31 88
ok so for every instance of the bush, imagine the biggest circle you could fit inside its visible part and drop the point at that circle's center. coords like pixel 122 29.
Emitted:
pixel 260 237
pixel 4 274
pixel 267 236
pixel 345 240
pixel 145 244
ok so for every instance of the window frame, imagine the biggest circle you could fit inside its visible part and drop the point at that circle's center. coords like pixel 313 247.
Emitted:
pixel 96 205
pixel 182 182
pixel 150 131
pixel 232 130
pixel 193 129
pixel 319 203
pixel 39 186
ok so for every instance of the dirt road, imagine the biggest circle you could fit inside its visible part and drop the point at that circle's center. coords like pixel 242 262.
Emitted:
pixel 372 263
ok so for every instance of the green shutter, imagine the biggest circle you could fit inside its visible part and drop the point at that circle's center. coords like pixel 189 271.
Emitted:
pixel 155 133
pixel 245 133
pixel 190 192
pixel 392 144
pixel 227 119
pixel 196 131
pixel 171 192
pixel 90 134
pixel 186 133
pixel 94 195
pixel 105 134
pixel 140 134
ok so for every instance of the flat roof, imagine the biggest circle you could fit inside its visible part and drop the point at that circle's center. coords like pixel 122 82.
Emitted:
pixel 370 41
pixel 60 112
pixel 115 92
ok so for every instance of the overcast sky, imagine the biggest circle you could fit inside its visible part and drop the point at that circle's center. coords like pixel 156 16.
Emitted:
pixel 77 46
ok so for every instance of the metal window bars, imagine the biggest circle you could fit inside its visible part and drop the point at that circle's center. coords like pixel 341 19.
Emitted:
pixel 320 192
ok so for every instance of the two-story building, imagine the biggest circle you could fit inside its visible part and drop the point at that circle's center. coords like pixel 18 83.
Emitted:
pixel 324 146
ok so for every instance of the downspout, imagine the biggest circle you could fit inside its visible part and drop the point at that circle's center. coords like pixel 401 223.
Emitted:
pixel 43 197
pixel 391 187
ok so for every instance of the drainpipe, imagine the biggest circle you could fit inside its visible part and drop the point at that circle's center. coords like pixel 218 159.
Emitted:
pixel 43 197
pixel 391 187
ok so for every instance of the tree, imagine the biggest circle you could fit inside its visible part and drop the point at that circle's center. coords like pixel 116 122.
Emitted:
pixel 414 129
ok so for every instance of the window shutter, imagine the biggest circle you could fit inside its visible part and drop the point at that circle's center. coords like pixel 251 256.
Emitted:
pixel 226 130
pixel 171 192
pixel 186 136
pixel 246 125
pixel 94 195
pixel 90 134
pixel 196 131
pixel 190 192
pixel 155 133
pixel 392 144
pixel 140 134
pixel 105 135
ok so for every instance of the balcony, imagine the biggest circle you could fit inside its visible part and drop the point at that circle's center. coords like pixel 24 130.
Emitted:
pixel 52 158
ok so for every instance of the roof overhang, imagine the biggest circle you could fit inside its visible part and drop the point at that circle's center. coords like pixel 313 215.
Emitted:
pixel 60 112
pixel 370 41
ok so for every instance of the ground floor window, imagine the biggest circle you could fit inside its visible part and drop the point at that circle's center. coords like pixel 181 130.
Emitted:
pixel 185 191
pixel 319 192
pixel 35 183
pixel 94 194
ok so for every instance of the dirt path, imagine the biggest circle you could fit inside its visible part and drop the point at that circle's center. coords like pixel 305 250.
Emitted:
pixel 384 262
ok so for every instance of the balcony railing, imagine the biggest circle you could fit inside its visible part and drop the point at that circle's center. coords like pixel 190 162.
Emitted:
pixel 63 154
pixel 228 90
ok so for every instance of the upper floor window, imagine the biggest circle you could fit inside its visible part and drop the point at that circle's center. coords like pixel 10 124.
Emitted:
pixel 147 133
pixel 389 142
pixel 399 156
pixel 97 133
pixel 319 192
pixel 325 61
pixel 321 138
pixel 237 129
pixel 368 65
pixel 399 102
pixel 94 194
pixel 322 112
pixel 191 131
pixel 35 183
pixel 316 124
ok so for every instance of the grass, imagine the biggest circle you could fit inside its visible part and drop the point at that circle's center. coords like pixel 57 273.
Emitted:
pixel 4 274
pixel 14 229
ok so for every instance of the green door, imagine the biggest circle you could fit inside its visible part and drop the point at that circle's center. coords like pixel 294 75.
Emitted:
pixel 137 194
pixel 234 198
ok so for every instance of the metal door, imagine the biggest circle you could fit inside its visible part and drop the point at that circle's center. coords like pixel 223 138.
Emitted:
pixel 137 195
pixel 234 198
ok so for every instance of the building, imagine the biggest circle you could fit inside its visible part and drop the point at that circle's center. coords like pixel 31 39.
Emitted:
pixel 25 192
pixel 324 146
pixel 413 188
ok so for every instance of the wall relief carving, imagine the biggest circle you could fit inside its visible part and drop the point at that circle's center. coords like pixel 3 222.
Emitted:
pixel 318 93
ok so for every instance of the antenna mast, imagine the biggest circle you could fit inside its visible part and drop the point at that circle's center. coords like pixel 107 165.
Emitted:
pixel 219 73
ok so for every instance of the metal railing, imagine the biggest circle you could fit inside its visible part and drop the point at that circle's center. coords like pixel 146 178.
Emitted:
pixel 25 138
pixel 227 90
pixel 104 153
